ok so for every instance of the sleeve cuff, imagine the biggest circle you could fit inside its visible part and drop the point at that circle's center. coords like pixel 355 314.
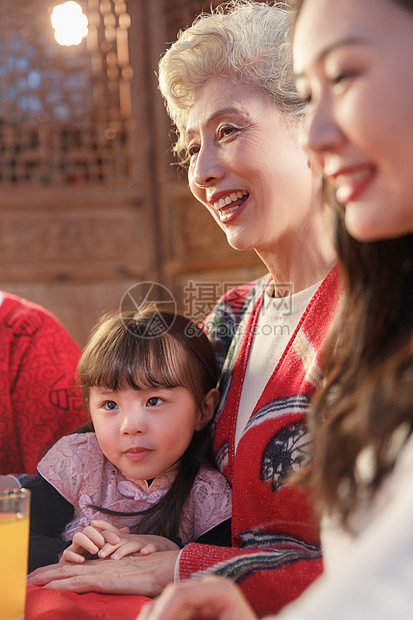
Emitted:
pixel 176 569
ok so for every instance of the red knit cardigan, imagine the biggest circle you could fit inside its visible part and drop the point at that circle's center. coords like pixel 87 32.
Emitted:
pixel 275 551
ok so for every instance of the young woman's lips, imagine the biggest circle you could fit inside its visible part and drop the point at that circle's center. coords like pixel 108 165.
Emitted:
pixel 350 184
pixel 137 454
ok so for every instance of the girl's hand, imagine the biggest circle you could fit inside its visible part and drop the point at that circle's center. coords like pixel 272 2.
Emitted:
pixel 215 598
pixel 128 544
pixel 92 540
pixel 145 544
pixel 106 540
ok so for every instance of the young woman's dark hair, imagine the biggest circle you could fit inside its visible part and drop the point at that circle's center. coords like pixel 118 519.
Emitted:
pixel 148 349
pixel 368 367
pixel 367 364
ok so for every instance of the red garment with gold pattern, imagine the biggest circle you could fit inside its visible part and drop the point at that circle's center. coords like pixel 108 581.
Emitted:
pixel 39 398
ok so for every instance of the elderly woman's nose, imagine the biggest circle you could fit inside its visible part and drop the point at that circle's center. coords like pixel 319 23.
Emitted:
pixel 207 167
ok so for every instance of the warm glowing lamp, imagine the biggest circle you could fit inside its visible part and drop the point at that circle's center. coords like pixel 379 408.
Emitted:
pixel 69 22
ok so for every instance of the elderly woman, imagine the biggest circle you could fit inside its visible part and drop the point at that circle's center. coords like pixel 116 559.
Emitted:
pixel 229 89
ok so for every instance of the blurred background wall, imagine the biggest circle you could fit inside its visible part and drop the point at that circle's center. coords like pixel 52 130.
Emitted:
pixel 90 205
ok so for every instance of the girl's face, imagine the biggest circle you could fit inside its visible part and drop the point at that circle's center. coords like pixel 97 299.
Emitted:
pixel 144 432
pixel 246 166
pixel 354 66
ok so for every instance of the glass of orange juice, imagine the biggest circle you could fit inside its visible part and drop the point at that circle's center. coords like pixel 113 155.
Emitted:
pixel 14 549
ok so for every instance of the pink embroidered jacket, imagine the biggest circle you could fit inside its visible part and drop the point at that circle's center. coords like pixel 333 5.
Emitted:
pixel 76 467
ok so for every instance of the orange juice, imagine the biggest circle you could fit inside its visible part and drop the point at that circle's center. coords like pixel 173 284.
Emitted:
pixel 14 536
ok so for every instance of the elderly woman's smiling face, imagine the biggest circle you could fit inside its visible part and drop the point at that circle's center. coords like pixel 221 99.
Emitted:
pixel 246 166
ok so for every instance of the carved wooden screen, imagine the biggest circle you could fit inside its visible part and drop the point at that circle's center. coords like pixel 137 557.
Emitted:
pixel 65 112
pixel 75 219
pixel 90 205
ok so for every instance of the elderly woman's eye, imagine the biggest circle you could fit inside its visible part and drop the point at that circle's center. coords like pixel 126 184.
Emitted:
pixel 226 130
pixel 193 150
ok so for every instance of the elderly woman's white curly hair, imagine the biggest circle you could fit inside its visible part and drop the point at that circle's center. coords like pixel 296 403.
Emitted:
pixel 244 40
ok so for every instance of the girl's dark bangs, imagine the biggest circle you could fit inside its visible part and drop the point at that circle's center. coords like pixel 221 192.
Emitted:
pixel 158 363
pixel 136 362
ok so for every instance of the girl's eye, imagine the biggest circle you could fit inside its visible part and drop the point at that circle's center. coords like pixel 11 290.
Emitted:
pixel 153 401
pixel 110 405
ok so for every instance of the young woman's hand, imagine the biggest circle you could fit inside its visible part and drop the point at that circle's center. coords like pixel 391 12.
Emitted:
pixel 215 598
pixel 106 540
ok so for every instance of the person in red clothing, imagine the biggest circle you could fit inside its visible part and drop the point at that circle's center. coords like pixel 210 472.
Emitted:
pixel 39 398
pixel 229 88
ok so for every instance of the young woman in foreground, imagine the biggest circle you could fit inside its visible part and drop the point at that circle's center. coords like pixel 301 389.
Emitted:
pixel 354 66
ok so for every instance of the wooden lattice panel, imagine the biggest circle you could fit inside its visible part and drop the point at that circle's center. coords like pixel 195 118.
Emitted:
pixel 65 112
pixel 181 13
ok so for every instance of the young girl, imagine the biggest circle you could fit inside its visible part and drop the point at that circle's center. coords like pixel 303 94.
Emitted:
pixel 148 381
